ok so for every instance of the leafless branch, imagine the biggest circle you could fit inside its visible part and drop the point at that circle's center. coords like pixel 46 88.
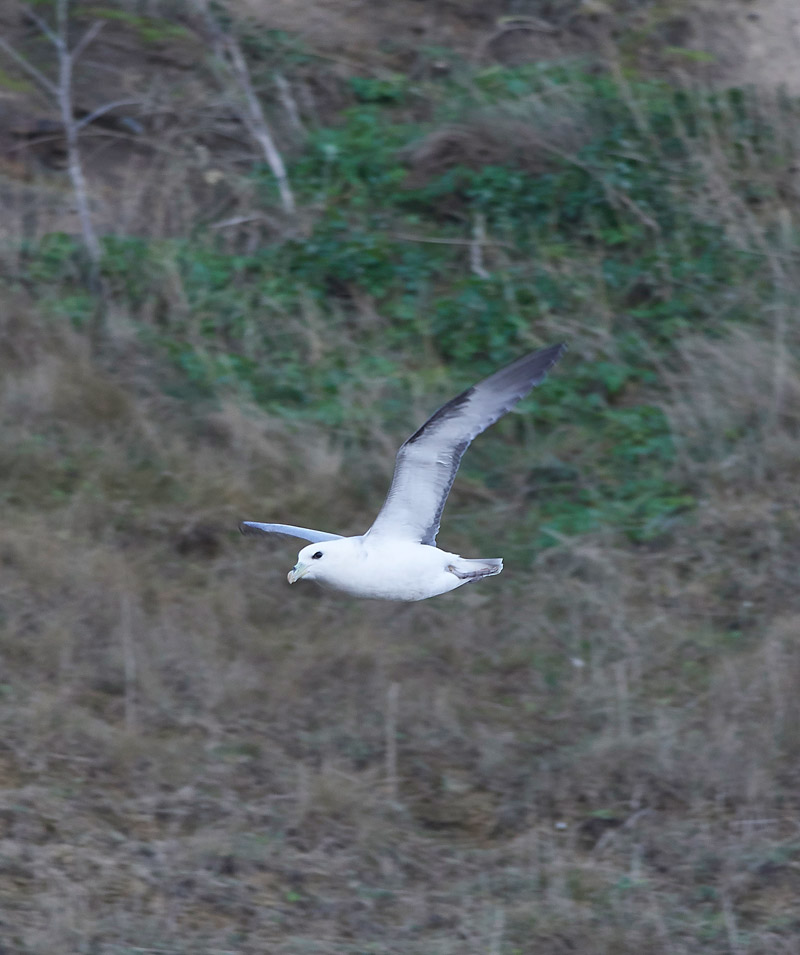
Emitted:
pixel 32 15
pixel 253 117
pixel 289 103
pixel 228 50
pixel 105 108
pixel 436 240
pixel 86 39
pixel 29 68
pixel 476 246
pixel 236 220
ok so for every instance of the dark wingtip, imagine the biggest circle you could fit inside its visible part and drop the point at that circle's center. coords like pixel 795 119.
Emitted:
pixel 543 360
pixel 531 369
pixel 245 528
pixel 558 352
pixel 553 351
pixel 547 357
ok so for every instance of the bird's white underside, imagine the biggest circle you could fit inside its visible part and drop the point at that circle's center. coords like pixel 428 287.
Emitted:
pixel 388 569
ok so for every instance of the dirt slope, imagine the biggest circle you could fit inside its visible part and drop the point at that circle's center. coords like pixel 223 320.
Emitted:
pixel 755 43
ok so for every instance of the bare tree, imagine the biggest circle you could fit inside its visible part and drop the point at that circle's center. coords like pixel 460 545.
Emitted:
pixel 248 106
pixel 61 92
pixel 253 117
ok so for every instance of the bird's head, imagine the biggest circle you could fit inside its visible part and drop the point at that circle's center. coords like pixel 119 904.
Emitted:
pixel 311 562
pixel 318 561
pixel 329 563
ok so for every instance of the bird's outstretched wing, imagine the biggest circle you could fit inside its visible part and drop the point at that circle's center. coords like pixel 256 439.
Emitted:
pixel 427 463
pixel 287 530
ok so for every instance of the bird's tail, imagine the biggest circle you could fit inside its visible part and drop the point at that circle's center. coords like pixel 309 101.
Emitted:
pixel 474 569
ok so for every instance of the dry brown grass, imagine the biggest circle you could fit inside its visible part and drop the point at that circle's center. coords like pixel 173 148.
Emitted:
pixel 528 138
pixel 598 755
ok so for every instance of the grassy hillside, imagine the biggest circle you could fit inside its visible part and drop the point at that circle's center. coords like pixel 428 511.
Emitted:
pixel 598 751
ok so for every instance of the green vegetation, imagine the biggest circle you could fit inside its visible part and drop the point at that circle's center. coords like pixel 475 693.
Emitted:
pixel 605 238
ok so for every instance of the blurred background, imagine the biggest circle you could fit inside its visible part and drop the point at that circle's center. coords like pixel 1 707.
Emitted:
pixel 246 249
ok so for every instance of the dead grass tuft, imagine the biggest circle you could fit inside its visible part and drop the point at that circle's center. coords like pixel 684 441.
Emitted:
pixel 736 410
pixel 531 142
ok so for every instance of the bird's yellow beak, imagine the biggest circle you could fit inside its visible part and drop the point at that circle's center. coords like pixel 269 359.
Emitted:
pixel 298 571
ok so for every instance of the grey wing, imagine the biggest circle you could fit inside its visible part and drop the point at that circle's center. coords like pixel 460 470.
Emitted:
pixel 427 463
pixel 288 530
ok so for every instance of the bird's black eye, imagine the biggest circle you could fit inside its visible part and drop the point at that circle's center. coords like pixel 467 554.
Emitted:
pixel 317 555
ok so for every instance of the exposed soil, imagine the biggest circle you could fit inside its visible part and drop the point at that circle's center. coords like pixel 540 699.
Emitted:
pixel 754 42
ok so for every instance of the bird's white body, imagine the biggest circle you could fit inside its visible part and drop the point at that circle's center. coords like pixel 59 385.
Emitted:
pixel 386 569
pixel 397 559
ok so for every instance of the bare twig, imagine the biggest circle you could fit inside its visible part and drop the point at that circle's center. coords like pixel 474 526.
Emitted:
pixel 253 117
pixel 86 39
pixel 29 68
pixel 32 15
pixel 436 240
pixel 102 110
pixel 236 220
pixel 228 50
pixel 476 246
pixel 289 103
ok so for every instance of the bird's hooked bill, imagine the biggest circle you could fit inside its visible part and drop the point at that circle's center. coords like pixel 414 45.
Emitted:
pixel 298 571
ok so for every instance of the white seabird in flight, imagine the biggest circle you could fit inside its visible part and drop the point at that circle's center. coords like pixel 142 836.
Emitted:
pixel 397 558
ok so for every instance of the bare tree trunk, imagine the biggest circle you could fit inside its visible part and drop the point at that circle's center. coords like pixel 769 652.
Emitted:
pixel 289 103
pixel 257 124
pixel 227 48
pixel 74 166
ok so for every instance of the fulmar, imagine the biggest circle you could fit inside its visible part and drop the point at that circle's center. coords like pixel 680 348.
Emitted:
pixel 397 558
